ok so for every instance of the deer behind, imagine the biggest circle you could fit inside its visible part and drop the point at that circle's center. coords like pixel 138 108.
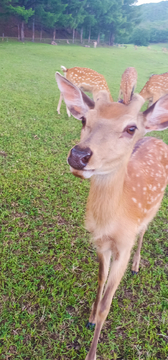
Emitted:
pixel 155 87
pixel 128 174
pixel 87 80
pixel 128 84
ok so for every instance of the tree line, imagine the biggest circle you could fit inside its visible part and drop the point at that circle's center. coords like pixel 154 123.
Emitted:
pixel 154 24
pixel 108 19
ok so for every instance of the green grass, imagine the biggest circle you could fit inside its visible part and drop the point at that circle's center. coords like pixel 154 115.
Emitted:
pixel 48 268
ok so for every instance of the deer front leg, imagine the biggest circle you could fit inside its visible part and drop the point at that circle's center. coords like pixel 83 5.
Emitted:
pixel 137 255
pixel 117 270
pixel 59 103
pixel 68 112
pixel 104 263
pixel 119 96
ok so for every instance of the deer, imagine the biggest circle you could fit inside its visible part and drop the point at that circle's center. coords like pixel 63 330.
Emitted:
pixel 164 50
pixel 128 175
pixel 128 85
pixel 53 43
pixel 155 87
pixel 86 79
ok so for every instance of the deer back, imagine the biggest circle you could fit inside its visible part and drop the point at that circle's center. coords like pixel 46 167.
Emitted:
pixel 128 83
pixel 87 80
pixel 156 86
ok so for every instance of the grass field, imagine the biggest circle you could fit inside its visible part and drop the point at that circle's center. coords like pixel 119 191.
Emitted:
pixel 48 267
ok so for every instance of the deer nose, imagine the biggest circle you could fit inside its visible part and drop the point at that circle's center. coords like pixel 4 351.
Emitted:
pixel 79 157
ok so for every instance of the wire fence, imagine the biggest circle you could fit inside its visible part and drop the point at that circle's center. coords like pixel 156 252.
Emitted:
pixel 67 42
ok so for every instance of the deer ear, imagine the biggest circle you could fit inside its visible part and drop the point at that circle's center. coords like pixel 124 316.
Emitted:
pixel 156 117
pixel 77 102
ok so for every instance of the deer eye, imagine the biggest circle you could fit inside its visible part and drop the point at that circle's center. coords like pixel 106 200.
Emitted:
pixel 83 121
pixel 130 129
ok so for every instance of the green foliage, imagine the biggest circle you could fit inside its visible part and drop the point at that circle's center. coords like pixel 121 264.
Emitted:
pixel 51 14
pixel 107 17
pixel 158 35
pixel 48 266
pixel 77 13
pixel 154 12
pixel 21 12
pixel 140 37
pixel 153 23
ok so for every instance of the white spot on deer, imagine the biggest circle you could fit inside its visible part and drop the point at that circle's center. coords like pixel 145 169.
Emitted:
pixel 134 200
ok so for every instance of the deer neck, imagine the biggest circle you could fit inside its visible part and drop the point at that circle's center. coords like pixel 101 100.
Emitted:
pixel 105 196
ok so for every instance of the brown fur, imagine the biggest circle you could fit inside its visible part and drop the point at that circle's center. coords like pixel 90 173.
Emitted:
pixel 128 178
pixel 128 84
pixel 155 87
pixel 87 80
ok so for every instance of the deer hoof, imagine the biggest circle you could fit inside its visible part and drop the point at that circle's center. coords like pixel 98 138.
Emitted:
pixel 134 272
pixel 88 357
pixel 90 325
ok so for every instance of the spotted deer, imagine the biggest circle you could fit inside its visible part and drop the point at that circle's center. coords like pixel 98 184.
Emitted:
pixel 87 80
pixel 164 50
pixel 128 85
pixel 155 87
pixel 129 174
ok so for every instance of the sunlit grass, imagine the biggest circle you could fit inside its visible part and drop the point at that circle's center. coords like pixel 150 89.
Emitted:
pixel 48 268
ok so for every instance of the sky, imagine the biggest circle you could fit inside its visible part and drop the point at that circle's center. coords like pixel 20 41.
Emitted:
pixel 148 1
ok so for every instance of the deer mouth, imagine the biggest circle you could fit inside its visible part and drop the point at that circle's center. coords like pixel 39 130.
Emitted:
pixel 83 174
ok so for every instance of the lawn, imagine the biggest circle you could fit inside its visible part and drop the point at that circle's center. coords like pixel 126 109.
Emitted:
pixel 48 267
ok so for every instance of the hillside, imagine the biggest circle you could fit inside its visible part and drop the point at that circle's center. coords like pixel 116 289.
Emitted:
pixel 153 25
pixel 154 12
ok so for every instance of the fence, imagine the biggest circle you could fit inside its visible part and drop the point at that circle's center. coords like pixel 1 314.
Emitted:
pixel 57 41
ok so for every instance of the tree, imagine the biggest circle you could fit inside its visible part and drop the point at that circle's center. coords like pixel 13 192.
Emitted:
pixel 108 18
pixel 89 19
pixel 23 11
pixel 121 18
pixel 102 11
pixel 132 17
pixel 76 12
pixel 51 14
pixel 140 37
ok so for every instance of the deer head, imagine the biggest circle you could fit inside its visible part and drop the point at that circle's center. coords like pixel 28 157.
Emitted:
pixel 109 130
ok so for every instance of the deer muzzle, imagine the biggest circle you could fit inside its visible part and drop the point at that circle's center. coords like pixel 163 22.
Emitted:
pixel 79 157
